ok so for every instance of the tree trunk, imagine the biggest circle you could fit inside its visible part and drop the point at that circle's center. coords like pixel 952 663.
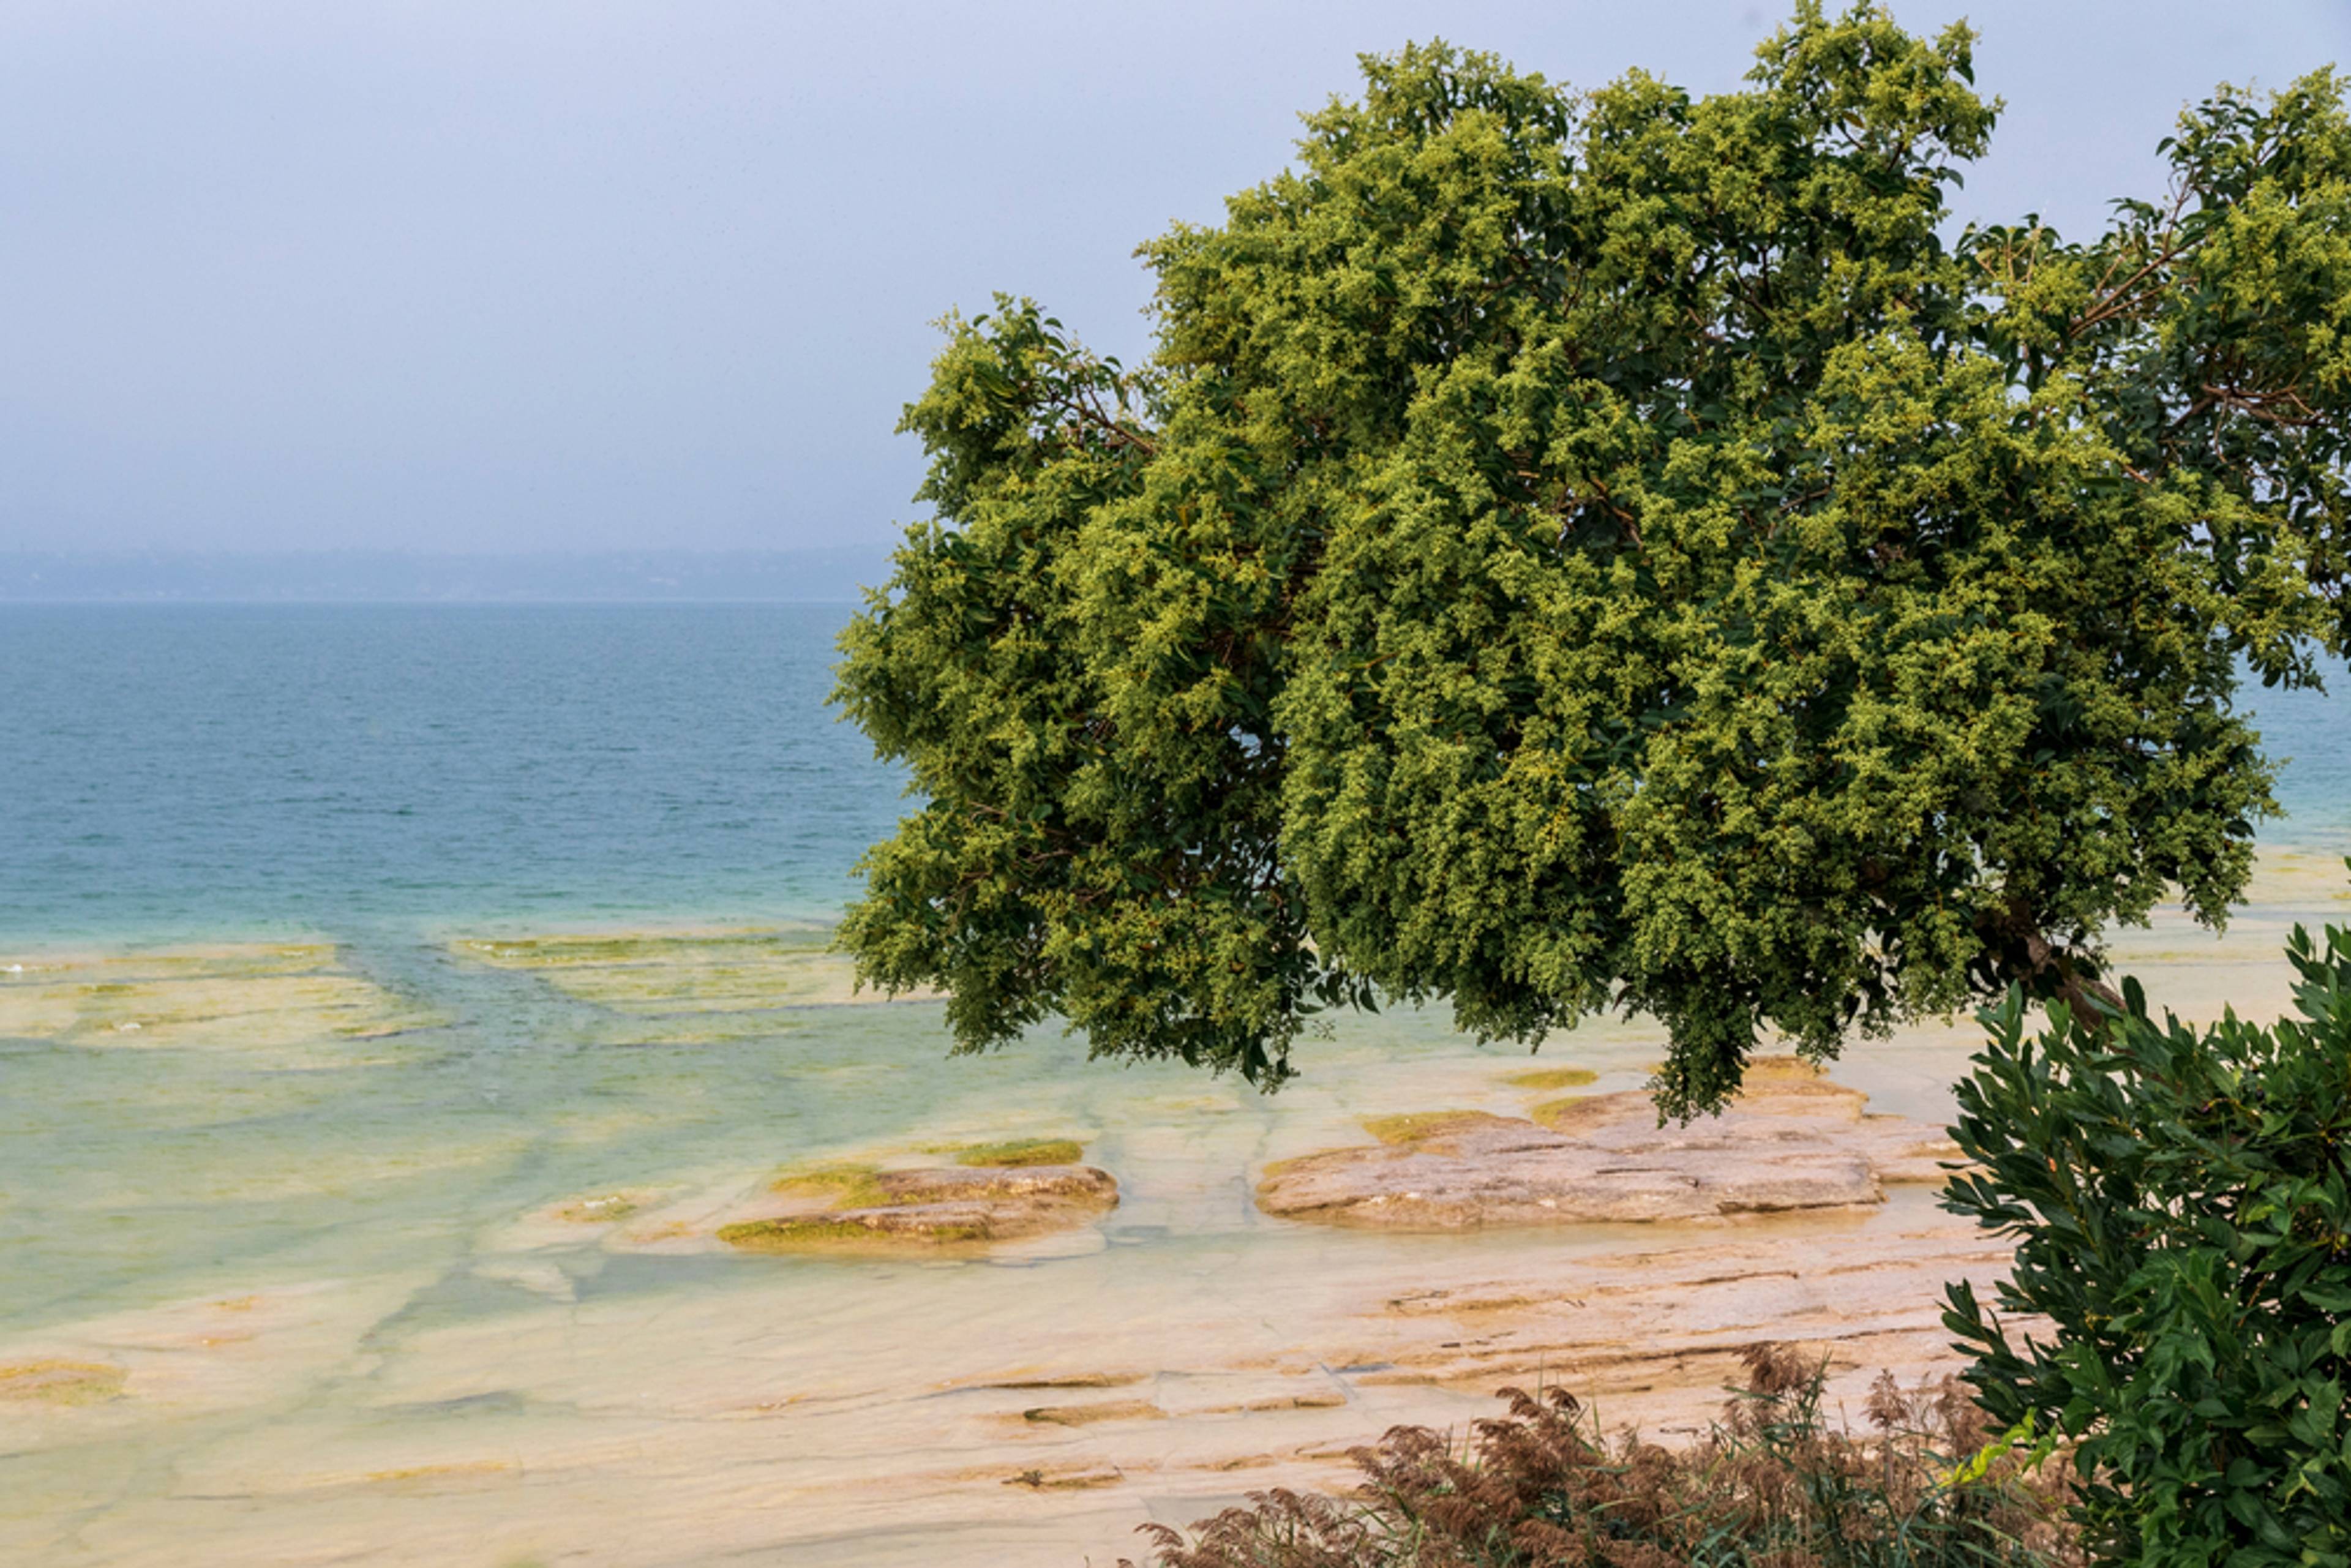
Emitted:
pixel 2016 951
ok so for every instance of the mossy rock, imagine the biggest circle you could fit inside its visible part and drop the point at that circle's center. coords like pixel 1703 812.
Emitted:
pixel 816 1231
pixel 847 1185
pixel 1420 1126
pixel 1552 1114
pixel 1553 1078
pixel 1017 1153
pixel 923 1209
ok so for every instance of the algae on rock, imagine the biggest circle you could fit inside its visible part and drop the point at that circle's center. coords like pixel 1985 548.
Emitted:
pixel 658 973
pixel 864 1208
pixel 257 996
pixel 1552 1078
pixel 1015 1153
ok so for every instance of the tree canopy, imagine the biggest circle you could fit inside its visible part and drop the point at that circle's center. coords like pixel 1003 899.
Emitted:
pixel 1570 553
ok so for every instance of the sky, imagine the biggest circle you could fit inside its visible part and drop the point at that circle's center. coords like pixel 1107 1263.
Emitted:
pixel 574 276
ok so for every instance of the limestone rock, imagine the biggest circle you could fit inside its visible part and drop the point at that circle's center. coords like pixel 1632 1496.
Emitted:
pixel 924 1207
pixel 1792 1141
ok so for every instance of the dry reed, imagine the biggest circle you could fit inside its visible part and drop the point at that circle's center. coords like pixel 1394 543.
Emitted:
pixel 1773 1485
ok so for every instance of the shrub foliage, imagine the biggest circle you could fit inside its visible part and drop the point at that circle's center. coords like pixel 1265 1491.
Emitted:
pixel 2183 1214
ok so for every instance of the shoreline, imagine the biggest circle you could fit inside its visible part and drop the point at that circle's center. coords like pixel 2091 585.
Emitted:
pixel 338 1340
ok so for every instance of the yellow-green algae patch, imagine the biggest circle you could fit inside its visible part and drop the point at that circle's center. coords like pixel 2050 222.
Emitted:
pixel 1017 1153
pixel 1553 1078
pixel 61 1382
pixel 1419 1126
pixel 254 996
pixel 809 1232
pixel 1551 1112
pixel 845 1185
pixel 654 974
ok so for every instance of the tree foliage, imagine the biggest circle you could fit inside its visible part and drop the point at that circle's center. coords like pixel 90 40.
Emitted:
pixel 1569 552
pixel 2183 1214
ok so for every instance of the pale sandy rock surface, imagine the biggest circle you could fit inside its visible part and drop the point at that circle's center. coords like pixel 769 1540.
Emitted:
pixel 1653 1337
pixel 910 1413
pixel 1792 1141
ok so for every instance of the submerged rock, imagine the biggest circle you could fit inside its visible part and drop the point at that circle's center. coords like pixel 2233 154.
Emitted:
pixel 251 996
pixel 656 973
pixel 1791 1140
pixel 861 1207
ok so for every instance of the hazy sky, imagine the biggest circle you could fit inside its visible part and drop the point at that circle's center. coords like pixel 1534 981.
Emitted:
pixel 489 275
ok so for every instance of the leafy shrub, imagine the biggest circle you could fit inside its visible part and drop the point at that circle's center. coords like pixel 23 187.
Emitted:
pixel 1773 1487
pixel 2184 1221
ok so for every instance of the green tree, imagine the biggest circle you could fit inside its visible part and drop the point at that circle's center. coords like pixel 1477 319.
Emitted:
pixel 1569 552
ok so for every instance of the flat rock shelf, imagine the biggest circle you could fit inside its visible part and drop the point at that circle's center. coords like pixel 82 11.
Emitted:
pixel 1792 1141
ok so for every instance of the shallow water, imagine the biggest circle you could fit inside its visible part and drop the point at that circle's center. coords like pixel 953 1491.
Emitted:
pixel 298 1206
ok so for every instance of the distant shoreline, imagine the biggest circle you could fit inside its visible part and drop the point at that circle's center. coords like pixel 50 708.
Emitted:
pixel 830 575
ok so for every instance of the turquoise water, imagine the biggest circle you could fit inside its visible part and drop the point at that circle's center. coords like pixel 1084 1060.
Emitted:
pixel 209 770
pixel 2308 733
